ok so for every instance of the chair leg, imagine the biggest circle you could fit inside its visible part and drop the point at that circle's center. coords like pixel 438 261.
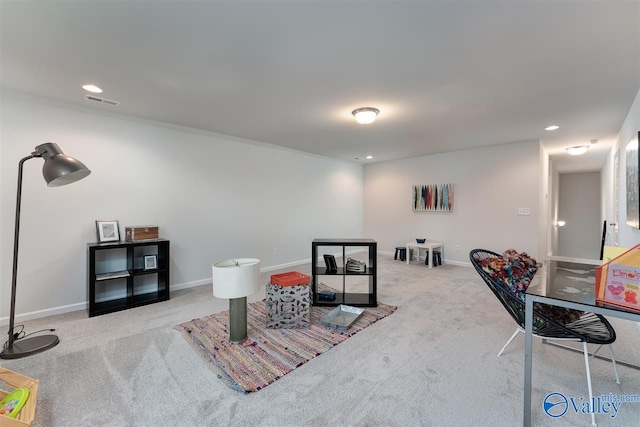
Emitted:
pixel 509 342
pixel 613 360
pixel 586 363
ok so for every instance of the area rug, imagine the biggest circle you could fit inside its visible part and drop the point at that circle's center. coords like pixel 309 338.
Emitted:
pixel 267 354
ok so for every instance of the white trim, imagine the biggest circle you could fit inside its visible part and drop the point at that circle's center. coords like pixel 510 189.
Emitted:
pixel 83 305
pixel 45 313
pixel 444 261
pixel 191 284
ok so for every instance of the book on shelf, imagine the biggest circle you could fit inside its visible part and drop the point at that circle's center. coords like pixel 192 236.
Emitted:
pixel 112 275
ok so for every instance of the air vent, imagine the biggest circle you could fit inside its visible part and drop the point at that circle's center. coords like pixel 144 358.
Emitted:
pixel 101 100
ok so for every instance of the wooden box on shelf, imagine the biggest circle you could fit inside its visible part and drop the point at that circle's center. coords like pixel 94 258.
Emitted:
pixel 140 232
pixel 28 411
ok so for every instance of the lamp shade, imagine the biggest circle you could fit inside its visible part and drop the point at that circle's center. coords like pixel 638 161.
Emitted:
pixel 236 278
pixel 60 169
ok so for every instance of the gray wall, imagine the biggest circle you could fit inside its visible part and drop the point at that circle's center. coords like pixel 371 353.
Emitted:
pixel 491 184
pixel 213 196
pixel 579 205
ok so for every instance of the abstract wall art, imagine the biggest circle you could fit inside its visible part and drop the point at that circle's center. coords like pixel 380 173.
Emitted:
pixel 432 198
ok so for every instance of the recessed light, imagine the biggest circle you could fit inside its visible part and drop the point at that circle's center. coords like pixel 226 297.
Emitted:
pixel 369 157
pixel 92 88
pixel 552 127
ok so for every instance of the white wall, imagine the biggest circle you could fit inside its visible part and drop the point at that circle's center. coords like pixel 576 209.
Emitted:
pixel 627 236
pixel 213 196
pixel 490 185
pixel 579 206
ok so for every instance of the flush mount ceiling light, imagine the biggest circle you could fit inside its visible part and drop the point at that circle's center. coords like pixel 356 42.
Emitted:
pixel 552 127
pixel 577 150
pixel 581 149
pixel 365 115
pixel 92 88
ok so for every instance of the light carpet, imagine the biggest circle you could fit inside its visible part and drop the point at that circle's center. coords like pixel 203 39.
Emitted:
pixel 267 354
pixel 432 363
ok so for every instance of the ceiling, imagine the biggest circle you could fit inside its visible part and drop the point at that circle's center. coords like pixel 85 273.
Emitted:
pixel 446 75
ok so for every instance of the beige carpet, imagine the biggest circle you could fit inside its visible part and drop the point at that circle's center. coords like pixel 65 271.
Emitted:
pixel 432 363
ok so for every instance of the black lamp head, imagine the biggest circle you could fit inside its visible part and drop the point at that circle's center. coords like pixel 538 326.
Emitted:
pixel 59 169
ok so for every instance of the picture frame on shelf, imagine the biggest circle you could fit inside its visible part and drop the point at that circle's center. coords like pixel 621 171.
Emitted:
pixel 108 230
pixel 330 262
pixel 150 262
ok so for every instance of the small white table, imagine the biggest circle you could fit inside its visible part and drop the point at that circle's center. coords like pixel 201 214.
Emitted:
pixel 430 246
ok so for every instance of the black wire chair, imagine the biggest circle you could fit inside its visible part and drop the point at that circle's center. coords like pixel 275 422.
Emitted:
pixel 589 328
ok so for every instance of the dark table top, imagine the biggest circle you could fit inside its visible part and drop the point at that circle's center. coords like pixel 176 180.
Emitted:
pixel 570 281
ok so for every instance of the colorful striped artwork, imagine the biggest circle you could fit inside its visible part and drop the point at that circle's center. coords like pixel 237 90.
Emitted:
pixel 433 198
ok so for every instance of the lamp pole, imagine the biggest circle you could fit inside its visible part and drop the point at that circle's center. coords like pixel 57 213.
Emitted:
pixel 16 240
pixel 58 169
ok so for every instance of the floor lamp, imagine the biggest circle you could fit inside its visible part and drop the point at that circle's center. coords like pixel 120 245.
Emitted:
pixel 58 170
pixel 236 279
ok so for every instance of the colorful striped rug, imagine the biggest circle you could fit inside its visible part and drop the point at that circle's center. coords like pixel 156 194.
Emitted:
pixel 267 354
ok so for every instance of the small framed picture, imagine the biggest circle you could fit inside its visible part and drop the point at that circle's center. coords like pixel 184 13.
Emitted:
pixel 150 262
pixel 330 262
pixel 108 231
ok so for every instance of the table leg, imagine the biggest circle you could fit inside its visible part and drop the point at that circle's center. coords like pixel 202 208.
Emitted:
pixel 408 254
pixel 430 255
pixel 528 359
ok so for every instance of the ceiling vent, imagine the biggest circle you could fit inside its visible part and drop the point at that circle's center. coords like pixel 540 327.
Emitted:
pixel 101 100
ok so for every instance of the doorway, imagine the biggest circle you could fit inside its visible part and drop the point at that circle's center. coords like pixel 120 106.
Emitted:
pixel 580 232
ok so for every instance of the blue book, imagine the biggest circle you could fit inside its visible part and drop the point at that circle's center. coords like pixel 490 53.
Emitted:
pixel 327 295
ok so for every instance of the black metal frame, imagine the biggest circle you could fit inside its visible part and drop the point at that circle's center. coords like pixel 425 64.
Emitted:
pixel 590 327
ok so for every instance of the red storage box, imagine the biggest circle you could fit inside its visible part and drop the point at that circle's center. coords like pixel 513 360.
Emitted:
pixel 291 278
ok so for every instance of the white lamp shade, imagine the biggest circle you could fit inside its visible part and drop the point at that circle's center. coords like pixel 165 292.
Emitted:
pixel 236 278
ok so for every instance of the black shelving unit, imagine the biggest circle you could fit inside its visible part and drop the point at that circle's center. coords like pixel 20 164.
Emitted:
pixel 117 279
pixel 342 296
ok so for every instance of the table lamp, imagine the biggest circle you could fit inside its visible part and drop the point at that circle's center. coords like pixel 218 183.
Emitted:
pixel 236 279
pixel 58 169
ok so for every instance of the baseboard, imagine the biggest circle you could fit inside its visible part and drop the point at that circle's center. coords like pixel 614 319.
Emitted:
pixel 192 284
pixel 23 317
pixel 444 261
pixel 285 265
pixel 38 314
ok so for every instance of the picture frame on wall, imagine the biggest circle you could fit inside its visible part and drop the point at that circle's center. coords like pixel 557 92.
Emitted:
pixel 150 262
pixel 108 230
pixel 633 183
pixel 432 198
